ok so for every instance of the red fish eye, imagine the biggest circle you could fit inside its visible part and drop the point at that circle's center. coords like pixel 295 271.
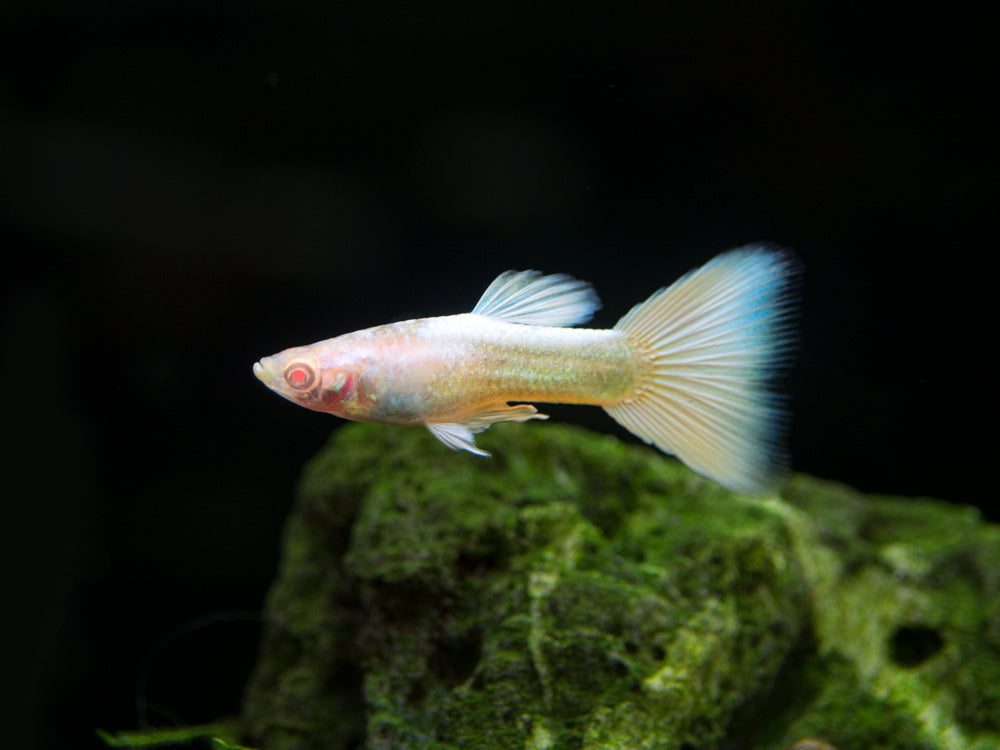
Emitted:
pixel 299 376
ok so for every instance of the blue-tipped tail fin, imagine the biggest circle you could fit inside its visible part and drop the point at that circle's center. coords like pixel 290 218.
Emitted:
pixel 712 344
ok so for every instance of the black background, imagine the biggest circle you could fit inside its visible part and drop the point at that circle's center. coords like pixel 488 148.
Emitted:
pixel 187 186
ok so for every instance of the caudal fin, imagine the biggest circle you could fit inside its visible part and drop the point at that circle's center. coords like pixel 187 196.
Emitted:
pixel 713 343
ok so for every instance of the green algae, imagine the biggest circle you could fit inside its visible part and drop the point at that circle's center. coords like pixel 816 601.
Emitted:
pixel 217 736
pixel 576 592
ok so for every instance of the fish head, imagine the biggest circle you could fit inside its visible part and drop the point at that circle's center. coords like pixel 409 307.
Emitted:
pixel 305 376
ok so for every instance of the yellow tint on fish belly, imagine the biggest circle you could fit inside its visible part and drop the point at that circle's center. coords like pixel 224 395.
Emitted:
pixel 487 361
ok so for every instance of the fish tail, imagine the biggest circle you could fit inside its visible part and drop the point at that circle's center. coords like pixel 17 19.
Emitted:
pixel 710 347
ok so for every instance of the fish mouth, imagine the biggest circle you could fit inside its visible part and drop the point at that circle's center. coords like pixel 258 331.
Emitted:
pixel 258 370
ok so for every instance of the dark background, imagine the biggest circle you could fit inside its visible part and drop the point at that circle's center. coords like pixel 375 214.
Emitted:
pixel 187 186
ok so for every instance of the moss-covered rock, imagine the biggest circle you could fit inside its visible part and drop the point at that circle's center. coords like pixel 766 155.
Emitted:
pixel 576 592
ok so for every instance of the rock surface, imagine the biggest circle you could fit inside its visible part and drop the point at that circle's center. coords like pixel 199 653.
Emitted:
pixel 577 592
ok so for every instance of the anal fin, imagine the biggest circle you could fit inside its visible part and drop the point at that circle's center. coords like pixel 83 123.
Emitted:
pixel 460 435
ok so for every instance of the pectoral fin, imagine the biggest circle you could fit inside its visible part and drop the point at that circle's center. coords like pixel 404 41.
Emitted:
pixel 459 435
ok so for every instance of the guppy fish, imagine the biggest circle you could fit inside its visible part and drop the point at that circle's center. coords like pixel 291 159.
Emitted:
pixel 689 370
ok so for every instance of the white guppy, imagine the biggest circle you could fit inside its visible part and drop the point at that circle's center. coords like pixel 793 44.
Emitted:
pixel 690 370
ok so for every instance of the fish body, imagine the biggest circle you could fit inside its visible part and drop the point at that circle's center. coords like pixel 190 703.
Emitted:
pixel 689 370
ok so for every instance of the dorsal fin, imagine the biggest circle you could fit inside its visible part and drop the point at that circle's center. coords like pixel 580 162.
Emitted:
pixel 533 299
